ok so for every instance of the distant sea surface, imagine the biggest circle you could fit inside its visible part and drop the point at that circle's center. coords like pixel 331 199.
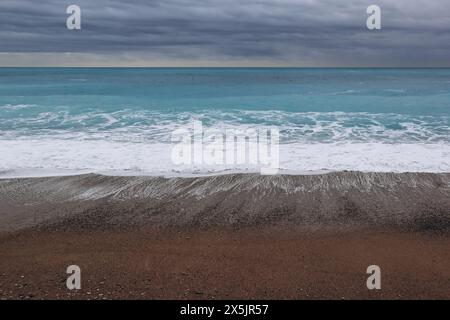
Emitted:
pixel 120 120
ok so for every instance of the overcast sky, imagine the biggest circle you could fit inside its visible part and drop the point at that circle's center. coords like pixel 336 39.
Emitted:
pixel 225 33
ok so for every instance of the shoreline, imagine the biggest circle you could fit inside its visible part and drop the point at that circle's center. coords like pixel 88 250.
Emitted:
pixel 412 201
pixel 43 173
pixel 56 173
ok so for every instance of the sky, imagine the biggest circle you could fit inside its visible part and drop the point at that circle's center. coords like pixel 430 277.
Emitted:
pixel 204 33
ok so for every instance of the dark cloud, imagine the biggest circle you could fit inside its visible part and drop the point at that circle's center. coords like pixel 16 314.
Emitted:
pixel 296 32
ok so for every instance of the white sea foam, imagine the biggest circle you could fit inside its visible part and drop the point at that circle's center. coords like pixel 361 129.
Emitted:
pixel 34 157
pixel 16 106
pixel 131 141
pixel 302 127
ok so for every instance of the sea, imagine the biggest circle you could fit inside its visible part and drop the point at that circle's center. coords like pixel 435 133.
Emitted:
pixel 58 121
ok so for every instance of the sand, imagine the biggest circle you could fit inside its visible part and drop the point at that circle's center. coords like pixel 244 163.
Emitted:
pixel 232 264
pixel 226 237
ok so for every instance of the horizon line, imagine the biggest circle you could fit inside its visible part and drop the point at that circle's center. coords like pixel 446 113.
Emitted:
pixel 229 67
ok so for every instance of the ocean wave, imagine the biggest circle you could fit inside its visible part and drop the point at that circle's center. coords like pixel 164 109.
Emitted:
pixel 16 106
pixel 295 127
pixel 44 155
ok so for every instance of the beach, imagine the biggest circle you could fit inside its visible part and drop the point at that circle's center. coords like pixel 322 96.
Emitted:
pixel 154 181
pixel 240 236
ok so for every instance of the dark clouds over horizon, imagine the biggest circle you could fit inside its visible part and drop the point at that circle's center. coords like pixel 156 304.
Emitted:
pixel 228 32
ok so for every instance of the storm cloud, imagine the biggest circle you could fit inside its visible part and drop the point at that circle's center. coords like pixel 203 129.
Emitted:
pixel 228 32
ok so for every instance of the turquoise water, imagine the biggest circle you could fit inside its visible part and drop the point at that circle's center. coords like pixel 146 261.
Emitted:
pixel 43 110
